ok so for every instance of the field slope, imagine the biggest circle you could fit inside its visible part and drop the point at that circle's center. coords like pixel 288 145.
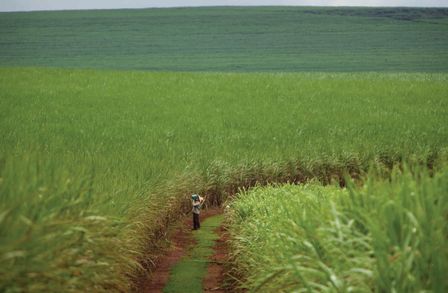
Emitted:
pixel 230 39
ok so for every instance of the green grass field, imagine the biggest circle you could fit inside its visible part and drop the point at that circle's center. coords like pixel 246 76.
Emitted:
pixel 230 39
pixel 88 155
pixel 143 127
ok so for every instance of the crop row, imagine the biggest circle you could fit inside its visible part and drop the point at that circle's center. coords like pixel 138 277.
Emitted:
pixel 381 235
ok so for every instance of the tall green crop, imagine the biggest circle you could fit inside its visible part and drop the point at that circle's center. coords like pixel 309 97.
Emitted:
pixel 381 236
pixel 86 157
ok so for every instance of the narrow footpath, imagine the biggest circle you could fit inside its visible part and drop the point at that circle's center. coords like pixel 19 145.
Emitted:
pixel 195 260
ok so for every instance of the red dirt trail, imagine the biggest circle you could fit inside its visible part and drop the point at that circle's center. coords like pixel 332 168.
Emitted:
pixel 181 240
pixel 214 280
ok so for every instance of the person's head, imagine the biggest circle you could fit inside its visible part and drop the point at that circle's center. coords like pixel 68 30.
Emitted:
pixel 195 197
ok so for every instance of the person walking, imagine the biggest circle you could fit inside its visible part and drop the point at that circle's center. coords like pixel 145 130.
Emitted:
pixel 197 202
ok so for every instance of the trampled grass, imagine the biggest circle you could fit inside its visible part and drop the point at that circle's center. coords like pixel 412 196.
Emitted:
pixel 230 39
pixel 87 156
pixel 381 236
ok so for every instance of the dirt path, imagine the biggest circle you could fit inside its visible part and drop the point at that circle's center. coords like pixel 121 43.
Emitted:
pixel 183 243
pixel 214 280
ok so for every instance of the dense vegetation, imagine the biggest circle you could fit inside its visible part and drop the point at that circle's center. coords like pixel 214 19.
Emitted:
pixel 382 236
pixel 230 39
pixel 87 156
